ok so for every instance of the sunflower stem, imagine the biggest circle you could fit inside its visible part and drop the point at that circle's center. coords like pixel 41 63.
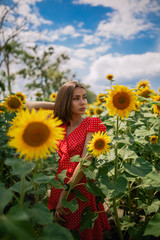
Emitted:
pixel 22 192
pixel 2 166
pixel 116 153
pixel 158 140
pixel 117 219
pixel 115 179
pixel 36 185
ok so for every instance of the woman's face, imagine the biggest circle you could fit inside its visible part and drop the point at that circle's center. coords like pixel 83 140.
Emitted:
pixel 79 101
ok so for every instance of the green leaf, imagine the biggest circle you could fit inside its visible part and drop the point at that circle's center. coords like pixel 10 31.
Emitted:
pixel 125 153
pixel 141 99
pixel 156 102
pixel 154 206
pixel 102 171
pixel 122 140
pixel 17 186
pixel 5 196
pixel 76 158
pixel 141 167
pixel 88 218
pixel 55 231
pixel 136 233
pixel 120 186
pixel 89 174
pixel 16 225
pixel 105 185
pixel 62 175
pixel 144 132
pixel 149 115
pixel 57 184
pixel 152 179
pixel 20 167
pixel 94 189
pixel 156 148
pixel 138 123
pixel 111 155
pixel 152 227
pixel 40 214
pixel 126 223
pixel 71 205
pixel 41 178
pixel 79 195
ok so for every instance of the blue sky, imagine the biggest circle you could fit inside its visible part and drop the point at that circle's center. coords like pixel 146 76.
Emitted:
pixel 119 37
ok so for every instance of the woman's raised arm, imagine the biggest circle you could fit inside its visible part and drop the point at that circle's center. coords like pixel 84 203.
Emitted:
pixel 37 105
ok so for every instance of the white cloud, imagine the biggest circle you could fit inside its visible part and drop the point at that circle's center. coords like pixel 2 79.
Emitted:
pixel 129 17
pixel 124 68
pixel 91 54
pixel 28 10
pixel 68 30
pixel 90 39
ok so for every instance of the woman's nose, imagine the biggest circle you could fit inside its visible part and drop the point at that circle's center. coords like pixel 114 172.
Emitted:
pixel 82 101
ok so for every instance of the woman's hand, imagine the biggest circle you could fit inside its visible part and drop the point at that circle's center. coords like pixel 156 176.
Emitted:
pixel 60 212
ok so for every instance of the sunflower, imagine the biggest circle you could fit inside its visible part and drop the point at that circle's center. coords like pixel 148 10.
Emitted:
pixel 99 144
pixel 90 111
pixel 13 103
pixel 1 107
pixel 53 96
pixel 156 107
pixel 138 105
pixel 101 98
pixel 49 112
pixel 98 111
pixel 34 134
pixel 143 83
pixel 153 139
pixel 145 92
pixel 109 77
pixel 38 94
pixel 121 101
pixel 21 96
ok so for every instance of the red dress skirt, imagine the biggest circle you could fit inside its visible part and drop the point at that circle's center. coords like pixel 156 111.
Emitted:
pixel 68 147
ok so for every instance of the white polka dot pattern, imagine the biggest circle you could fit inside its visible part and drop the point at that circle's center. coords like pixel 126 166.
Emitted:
pixel 70 146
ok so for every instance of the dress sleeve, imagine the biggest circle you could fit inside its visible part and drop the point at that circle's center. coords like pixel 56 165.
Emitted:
pixel 95 125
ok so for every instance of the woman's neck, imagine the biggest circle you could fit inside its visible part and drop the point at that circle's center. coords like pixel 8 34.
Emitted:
pixel 76 121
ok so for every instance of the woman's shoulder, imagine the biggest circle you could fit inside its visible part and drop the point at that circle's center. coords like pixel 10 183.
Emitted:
pixel 92 119
pixel 94 124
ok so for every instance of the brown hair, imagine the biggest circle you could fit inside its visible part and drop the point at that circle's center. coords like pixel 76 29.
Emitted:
pixel 62 107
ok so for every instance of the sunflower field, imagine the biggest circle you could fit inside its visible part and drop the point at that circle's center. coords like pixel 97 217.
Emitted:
pixel 125 166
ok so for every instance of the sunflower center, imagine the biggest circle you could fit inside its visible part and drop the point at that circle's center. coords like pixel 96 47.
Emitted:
pixel 35 134
pixel 99 144
pixel 121 100
pixel 14 103
pixel 158 107
pixel 21 97
pixel 146 94
pixel 99 111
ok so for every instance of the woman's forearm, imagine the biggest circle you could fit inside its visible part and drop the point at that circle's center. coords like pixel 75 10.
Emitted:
pixel 75 179
pixel 37 105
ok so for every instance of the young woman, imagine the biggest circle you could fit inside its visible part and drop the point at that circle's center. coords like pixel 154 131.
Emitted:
pixel 70 106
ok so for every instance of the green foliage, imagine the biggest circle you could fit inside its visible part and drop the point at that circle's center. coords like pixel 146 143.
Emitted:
pixel 44 73
pixel 134 187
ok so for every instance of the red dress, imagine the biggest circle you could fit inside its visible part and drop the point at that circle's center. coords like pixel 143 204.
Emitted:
pixel 68 147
